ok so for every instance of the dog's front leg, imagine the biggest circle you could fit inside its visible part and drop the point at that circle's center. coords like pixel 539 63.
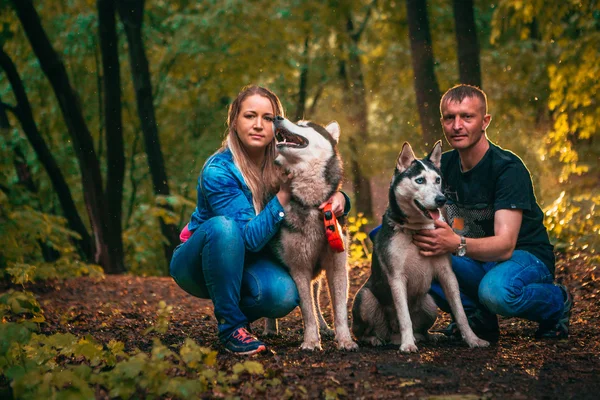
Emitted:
pixel 271 327
pixel 449 284
pixel 337 280
pixel 312 340
pixel 399 295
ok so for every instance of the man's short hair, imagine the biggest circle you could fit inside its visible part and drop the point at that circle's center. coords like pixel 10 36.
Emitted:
pixel 459 92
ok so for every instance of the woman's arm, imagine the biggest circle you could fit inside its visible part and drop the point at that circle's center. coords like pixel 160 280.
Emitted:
pixel 226 197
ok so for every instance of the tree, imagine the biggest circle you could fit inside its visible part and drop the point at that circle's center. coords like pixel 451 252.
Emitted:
pixel 426 86
pixel 131 13
pixel 68 101
pixel 355 97
pixel 113 126
pixel 22 110
pixel 467 42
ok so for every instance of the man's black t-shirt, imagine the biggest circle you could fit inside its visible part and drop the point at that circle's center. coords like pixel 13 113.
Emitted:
pixel 499 181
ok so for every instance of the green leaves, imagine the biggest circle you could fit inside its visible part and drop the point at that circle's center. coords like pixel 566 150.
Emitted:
pixel 20 304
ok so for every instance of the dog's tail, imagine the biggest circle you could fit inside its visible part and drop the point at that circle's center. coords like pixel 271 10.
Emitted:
pixel 368 317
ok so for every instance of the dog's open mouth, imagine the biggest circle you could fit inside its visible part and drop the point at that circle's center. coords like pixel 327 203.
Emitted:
pixel 431 214
pixel 286 138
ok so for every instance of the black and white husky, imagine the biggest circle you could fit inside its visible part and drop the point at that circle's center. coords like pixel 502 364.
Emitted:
pixel 309 153
pixel 394 304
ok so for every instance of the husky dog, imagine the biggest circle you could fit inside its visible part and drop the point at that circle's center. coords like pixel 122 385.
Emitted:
pixel 309 153
pixel 394 302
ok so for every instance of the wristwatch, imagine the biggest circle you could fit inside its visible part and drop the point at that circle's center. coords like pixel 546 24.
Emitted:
pixel 462 247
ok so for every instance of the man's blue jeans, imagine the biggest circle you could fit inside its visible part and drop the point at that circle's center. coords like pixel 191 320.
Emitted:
pixel 519 287
pixel 213 263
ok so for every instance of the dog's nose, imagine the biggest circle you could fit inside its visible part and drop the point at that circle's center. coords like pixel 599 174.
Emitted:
pixel 278 118
pixel 440 200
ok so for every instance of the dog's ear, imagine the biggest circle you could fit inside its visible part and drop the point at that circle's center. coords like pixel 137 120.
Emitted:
pixel 405 158
pixel 436 154
pixel 334 130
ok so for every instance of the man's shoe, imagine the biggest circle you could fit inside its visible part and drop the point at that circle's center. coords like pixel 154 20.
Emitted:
pixel 244 343
pixel 483 324
pixel 557 329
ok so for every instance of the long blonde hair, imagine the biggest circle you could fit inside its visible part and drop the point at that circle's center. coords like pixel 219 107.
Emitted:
pixel 263 182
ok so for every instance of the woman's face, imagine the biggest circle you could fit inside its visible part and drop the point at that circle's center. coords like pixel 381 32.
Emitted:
pixel 254 123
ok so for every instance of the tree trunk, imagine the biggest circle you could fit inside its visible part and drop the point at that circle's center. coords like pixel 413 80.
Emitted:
pixel 301 106
pixel 426 86
pixel 91 177
pixel 466 40
pixel 115 151
pixel 23 113
pixel 356 106
pixel 132 15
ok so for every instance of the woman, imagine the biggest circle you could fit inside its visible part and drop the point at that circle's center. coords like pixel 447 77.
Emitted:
pixel 240 207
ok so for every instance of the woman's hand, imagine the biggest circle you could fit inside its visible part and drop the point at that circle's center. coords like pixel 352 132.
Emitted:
pixel 338 203
pixel 285 190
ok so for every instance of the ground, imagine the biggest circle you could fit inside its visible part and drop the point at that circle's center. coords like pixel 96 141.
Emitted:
pixel 518 367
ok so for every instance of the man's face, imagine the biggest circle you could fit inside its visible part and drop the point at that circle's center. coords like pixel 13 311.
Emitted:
pixel 464 123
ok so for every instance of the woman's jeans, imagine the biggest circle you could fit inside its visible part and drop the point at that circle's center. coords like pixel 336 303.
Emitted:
pixel 213 263
pixel 519 287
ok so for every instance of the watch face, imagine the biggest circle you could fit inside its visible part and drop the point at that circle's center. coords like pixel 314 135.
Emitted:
pixel 461 251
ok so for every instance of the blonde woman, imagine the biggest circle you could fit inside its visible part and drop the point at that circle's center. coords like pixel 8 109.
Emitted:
pixel 240 207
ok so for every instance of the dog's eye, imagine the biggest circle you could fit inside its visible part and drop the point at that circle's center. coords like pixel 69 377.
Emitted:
pixel 438 180
pixel 420 181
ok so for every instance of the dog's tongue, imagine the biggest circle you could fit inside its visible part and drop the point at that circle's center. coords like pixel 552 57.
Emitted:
pixel 434 214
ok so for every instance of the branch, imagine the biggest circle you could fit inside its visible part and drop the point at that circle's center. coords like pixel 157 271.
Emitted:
pixel 356 35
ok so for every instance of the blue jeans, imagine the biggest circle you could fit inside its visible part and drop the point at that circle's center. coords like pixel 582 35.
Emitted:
pixel 519 287
pixel 213 263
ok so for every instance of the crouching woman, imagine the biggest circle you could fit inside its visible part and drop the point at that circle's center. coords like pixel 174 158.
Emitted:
pixel 240 207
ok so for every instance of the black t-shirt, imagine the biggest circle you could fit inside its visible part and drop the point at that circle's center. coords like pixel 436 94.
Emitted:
pixel 499 181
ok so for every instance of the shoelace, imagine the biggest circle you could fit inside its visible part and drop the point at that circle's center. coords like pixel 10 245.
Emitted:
pixel 243 336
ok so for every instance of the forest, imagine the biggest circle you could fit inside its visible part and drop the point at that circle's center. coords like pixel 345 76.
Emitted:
pixel 109 109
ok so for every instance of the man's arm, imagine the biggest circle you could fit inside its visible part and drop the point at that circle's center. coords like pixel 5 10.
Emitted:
pixel 499 247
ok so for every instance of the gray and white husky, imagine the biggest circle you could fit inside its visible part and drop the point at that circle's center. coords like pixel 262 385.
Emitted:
pixel 309 153
pixel 394 304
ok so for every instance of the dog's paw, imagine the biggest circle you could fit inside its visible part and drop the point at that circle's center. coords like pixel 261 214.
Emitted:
pixel 372 341
pixel 478 343
pixel 408 348
pixel 326 332
pixel 347 344
pixel 311 345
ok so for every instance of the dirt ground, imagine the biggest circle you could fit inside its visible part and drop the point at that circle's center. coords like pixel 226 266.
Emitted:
pixel 518 367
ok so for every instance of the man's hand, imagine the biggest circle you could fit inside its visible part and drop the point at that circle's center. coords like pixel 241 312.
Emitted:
pixel 338 202
pixel 438 241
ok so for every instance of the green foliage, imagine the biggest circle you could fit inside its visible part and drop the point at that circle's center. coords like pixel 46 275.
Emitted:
pixel 23 231
pixel 539 68
pixel 62 365
pixel 20 304
pixel 143 241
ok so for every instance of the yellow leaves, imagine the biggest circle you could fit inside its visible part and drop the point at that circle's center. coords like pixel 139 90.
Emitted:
pixel 162 320
pixel 197 357
pixel 574 221
pixel 21 273
pixel 359 250
pixel 251 367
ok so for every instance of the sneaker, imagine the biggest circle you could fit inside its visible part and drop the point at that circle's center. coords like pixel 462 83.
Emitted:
pixel 557 329
pixel 244 343
pixel 483 324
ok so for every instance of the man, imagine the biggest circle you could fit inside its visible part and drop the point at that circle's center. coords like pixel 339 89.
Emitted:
pixel 502 258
